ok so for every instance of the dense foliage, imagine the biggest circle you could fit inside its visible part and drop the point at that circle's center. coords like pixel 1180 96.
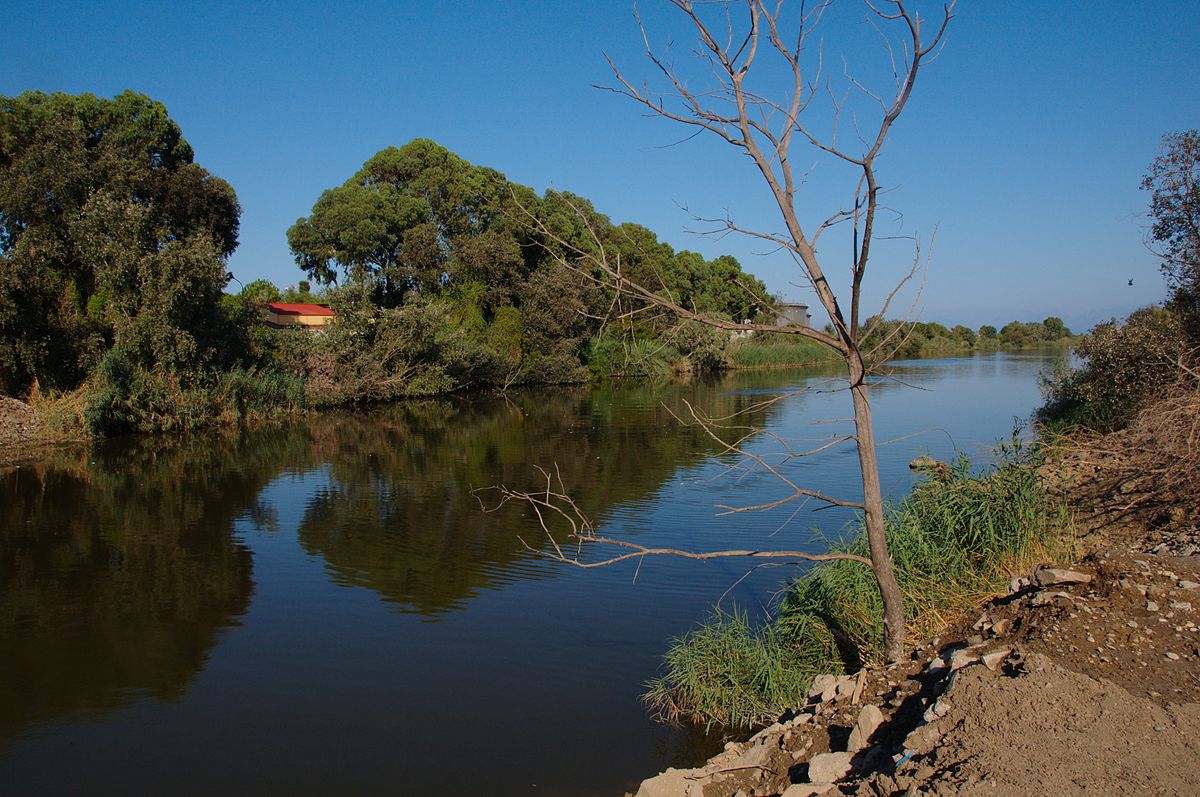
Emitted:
pixel 1174 183
pixel 1125 366
pixel 113 244
pixel 112 238
pixel 441 281
pixel 113 249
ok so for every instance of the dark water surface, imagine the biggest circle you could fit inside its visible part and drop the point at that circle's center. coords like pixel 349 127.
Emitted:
pixel 324 607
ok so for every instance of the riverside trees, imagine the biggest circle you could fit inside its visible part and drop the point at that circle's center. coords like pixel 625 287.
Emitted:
pixel 1174 183
pixel 113 244
pixel 442 285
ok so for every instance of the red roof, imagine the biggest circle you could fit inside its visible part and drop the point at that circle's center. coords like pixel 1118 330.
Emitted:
pixel 299 308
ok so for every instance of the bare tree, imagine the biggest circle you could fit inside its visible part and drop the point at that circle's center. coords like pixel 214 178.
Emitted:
pixel 734 38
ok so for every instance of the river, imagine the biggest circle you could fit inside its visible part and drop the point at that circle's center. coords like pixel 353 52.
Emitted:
pixel 324 607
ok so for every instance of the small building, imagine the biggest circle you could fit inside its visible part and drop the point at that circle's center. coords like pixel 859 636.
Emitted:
pixel 282 315
pixel 791 313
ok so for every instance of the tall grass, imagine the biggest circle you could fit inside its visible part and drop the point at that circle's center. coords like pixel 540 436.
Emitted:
pixel 731 673
pixel 954 541
pixel 613 356
pixel 775 351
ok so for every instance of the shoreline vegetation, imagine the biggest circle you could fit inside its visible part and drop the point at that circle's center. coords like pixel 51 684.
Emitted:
pixel 114 315
pixel 1122 424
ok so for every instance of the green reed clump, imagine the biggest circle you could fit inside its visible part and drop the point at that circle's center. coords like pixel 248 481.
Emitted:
pixel 775 351
pixel 611 356
pixel 955 540
pixel 729 672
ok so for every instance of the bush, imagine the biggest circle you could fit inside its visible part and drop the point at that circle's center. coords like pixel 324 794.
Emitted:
pixel 731 673
pixel 611 355
pixel 1125 365
pixel 128 398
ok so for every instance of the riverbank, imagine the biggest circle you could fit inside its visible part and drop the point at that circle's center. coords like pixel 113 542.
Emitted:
pixel 1075 679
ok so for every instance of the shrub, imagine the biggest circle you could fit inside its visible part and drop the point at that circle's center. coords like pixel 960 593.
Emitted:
pixel 610 355
pixel 1125 364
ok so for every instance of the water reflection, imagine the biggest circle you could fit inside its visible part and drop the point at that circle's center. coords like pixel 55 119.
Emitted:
pixel 399 515
pixel 117 573
pixel 388 625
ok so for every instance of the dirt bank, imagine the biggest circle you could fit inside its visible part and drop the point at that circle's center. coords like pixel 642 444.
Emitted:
pixel 25 433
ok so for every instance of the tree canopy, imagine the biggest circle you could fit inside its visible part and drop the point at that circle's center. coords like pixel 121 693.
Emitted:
pixel 421 236
pixel 111 236
pixel 1174 183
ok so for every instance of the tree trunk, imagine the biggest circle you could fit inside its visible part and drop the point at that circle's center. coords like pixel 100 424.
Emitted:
pixel 881 560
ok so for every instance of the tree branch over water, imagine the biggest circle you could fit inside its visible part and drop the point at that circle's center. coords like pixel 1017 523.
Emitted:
pixel 553 503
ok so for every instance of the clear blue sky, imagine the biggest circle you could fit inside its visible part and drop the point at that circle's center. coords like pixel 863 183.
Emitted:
pixel 1023 146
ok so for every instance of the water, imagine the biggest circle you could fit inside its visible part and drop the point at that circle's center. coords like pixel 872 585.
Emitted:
pixel 326 607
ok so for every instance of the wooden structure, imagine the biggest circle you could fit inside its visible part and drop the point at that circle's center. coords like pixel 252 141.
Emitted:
pixel 282 315
pixel 791 313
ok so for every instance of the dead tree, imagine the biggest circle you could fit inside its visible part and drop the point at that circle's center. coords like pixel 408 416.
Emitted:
pixel 733 39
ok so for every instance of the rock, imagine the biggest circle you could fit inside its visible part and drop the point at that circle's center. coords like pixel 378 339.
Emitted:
pixel 756 757
pixel 921 739
pixel 807 789
pixel 774 730
pixel 1181 606
pixel 1193 585
pixel 1051 598
pixel 994 659
pixel 1000 626
pixel 1151 606
pixel 869 720
pixel 845 687
pixel 962 658
pixel 1017 584
pixel 1049 577
pixel 672 783
pixel 1172 656
pixel 938 710
pixel 823 688
pixel 829 767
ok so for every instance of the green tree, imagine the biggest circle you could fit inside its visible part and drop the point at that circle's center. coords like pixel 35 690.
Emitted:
pixel 260 290
pixel 395 223
pixel 966 336
pixel 1174 183
pixel 111 237
pixel 1054 328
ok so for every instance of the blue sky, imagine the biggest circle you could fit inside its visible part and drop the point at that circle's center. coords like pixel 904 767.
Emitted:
pixel 1023 146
